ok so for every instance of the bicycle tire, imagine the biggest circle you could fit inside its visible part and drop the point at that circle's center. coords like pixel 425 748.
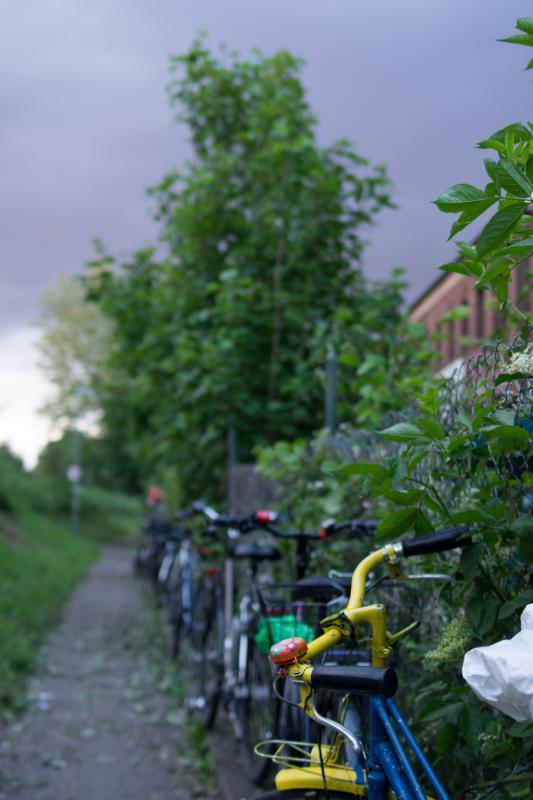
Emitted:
pixel 206 656
pixel 258 713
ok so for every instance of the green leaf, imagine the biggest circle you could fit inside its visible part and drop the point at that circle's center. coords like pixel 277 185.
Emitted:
pixel 376 470
pixel 462 197
pixel 517 603
pixel 432 427
pixel 499 227
pixel 471 721
pixel 470 270
pixel 421 523
pixel 519 131
pixel 514 432
pixel 430 502
pixel 525 549
pixel 490 613
pixel 492 144
pixel 520 730
pixel 525 24
pixel 523 522
pixel 521 249
pixel 512 179
pixel 403 432
pixel 474 610
pixel 519 38
pixel 529 64
pixel 407 498
pixel 415 461
pixel 469 216
pixel 446 739
pixel 469 516
pixel 396 523
pixel 507 377
pixel 437 709
pixel 469 562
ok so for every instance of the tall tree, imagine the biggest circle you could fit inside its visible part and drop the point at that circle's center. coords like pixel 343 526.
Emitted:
pixel 263 244
pixel 73 348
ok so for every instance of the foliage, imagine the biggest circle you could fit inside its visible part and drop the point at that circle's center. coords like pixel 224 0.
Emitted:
pixel 41 561
pixel 263 240
pixel 101 464
pixel 461 452
pixel 73 350
pixel 505 241
pixel 378 346
pixel 466 456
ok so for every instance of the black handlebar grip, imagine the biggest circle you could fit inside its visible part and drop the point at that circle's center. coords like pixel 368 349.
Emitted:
pixel 359 680
pixel 447 539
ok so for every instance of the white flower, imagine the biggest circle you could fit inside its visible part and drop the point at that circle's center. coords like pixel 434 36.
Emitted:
pixel 523 361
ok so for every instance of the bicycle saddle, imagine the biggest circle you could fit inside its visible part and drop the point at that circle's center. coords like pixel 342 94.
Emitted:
pixel 257 552
pixel 319 588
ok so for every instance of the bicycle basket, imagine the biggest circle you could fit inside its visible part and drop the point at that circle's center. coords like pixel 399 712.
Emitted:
pixel 272 629
pixel 281 615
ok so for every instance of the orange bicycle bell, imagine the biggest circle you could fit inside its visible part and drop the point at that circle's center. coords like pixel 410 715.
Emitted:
pixel 288 651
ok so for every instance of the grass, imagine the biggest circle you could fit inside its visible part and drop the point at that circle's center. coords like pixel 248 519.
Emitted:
pixel 41 562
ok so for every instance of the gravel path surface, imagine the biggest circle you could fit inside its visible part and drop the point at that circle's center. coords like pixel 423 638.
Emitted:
pixel 104 722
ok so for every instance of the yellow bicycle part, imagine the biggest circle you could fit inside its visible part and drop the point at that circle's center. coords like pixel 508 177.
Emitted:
pixel 338 626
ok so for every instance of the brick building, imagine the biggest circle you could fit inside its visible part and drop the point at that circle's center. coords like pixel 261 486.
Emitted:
pixel 451 290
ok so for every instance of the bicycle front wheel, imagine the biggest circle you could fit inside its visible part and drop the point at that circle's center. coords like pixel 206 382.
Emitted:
pixel 258 712
pixel 206 655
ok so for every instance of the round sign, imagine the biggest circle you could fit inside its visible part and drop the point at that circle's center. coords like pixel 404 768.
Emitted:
pixel 74 473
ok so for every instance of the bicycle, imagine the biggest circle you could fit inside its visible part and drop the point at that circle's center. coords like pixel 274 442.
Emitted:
pixel 373 762
pixel 226 654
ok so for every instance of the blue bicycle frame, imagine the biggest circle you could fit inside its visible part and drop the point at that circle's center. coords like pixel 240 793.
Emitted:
pixel 389 765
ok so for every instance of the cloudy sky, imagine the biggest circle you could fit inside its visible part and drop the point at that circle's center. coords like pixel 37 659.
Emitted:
pixel 86 127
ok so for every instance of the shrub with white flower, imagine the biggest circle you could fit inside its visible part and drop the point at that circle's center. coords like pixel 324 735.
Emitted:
pixel 522 361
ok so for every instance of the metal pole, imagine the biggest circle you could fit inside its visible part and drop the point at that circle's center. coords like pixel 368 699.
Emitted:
pixel 75 484
pixel 331 389
pixel 232 461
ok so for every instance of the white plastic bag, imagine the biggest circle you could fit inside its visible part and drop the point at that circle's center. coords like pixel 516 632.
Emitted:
pixel 502 673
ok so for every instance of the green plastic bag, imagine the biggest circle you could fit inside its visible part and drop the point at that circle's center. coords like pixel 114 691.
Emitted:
pixel 273 629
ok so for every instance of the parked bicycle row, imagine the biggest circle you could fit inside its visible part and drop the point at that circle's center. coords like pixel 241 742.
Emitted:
pixel 304 668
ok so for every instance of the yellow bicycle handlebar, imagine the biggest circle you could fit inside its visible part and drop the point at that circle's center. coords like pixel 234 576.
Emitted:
pixel 340 625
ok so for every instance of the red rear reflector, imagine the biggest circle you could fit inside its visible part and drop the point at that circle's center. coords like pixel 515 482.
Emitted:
pixel 323 533
pixel 210 572
pixel 264 516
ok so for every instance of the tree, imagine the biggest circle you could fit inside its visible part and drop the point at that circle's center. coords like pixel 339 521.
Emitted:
pixel 263 245
pixel 73 349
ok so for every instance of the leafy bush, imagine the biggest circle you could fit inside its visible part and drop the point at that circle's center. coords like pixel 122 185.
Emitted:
pixel 462 454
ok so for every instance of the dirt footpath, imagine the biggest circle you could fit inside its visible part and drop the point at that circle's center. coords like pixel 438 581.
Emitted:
pixel 104 721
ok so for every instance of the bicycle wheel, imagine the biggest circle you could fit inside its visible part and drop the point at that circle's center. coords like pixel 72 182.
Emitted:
pixel 176 610
pixel 205 658
pixel 257 709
